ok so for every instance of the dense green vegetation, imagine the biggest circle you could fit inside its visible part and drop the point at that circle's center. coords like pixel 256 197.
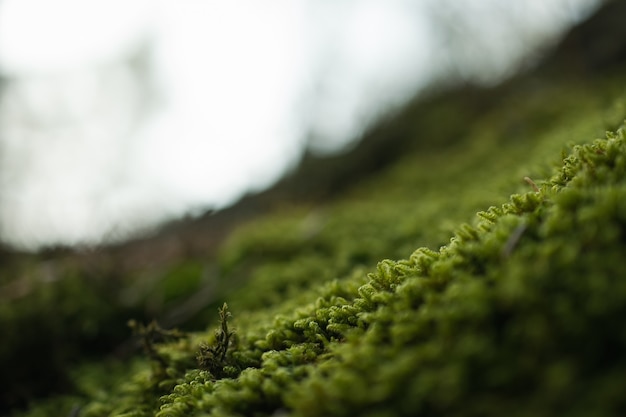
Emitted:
pixel 480 274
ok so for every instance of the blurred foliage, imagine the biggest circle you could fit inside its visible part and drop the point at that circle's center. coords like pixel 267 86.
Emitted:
pixel 51 315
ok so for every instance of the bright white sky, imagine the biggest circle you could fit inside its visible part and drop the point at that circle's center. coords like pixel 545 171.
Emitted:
pixel 118 114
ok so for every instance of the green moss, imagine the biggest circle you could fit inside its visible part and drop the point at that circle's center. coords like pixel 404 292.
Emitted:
pixel 505 297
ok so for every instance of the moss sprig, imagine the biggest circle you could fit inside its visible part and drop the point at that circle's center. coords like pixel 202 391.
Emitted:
pixel 153 334
pixel 214 357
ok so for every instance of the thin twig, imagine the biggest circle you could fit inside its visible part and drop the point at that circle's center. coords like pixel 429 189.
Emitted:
pixel 513 239
pixel 532 184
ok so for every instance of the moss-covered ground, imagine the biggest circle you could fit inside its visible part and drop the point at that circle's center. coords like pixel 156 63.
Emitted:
pixel 481 274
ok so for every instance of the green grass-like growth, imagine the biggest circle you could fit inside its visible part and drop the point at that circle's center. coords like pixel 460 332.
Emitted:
pixel 516 310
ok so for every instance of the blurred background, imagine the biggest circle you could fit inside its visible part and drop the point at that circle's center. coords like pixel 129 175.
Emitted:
pixel 118 115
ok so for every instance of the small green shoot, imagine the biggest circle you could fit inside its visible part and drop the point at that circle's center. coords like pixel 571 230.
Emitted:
pixel 213 358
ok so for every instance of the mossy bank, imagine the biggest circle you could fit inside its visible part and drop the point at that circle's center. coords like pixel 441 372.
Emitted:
pixel 480 275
